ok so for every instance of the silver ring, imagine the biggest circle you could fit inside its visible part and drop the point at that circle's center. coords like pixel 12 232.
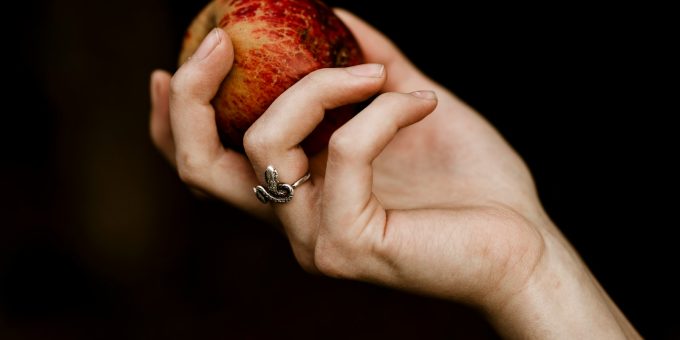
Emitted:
pixel 277 192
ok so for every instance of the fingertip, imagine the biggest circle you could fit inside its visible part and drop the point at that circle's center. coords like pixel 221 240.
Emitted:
pixel 371 70
pixel 211 41
pixel 425 94
pixel 429 100
pixel 406 108
pixel 158 74
pixel 344 14
pixel 216 46
pixel 200 77
pixel 363 32
pixel 156 82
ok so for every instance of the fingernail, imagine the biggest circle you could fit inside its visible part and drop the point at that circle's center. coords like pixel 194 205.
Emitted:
pixel 208 45
pixel 367 70
pixel 424 94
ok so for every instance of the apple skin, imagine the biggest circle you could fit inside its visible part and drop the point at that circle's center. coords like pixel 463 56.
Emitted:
pixel 276 43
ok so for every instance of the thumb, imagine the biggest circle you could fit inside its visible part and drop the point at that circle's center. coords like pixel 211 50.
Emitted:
pixel 402 75
pixel 192 88
pixel 200 76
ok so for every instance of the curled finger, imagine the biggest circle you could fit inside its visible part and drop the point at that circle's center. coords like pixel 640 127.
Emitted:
pixel 353 219
pixel 274 139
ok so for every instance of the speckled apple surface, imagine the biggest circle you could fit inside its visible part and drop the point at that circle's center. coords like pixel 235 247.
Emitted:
pixel 276 43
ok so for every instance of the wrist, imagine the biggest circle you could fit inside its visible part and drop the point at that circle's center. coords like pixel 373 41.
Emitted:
pixel 561 299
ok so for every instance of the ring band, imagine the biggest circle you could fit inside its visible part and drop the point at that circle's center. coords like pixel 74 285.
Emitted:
pixel 277 192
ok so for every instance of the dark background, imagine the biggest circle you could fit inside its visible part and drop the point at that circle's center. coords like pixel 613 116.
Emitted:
pixel 99 239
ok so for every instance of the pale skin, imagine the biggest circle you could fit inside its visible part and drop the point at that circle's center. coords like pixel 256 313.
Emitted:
pixel 417 192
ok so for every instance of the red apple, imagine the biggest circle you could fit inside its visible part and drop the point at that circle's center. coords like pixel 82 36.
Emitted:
pixel 276 43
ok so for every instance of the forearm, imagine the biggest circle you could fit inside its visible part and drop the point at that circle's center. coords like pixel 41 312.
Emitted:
pixel 562 300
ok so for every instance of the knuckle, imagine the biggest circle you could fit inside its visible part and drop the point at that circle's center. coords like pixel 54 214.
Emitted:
pixel 190 170
pixel 254 142
pixel 316 83
pixel 333 257
pixel 341 145
pixel 327 261
pixel 316 77
pixel 176 84
pixel 305 257
pixel 327 266
pixel 308 266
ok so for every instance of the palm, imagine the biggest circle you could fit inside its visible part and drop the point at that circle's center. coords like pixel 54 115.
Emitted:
pixel 439 163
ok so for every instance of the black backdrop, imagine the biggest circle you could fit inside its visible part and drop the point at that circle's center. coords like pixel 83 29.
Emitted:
pixel 98 238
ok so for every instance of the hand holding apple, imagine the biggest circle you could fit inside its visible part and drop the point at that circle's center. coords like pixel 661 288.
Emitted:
pixel 428 200
pixel 276 43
